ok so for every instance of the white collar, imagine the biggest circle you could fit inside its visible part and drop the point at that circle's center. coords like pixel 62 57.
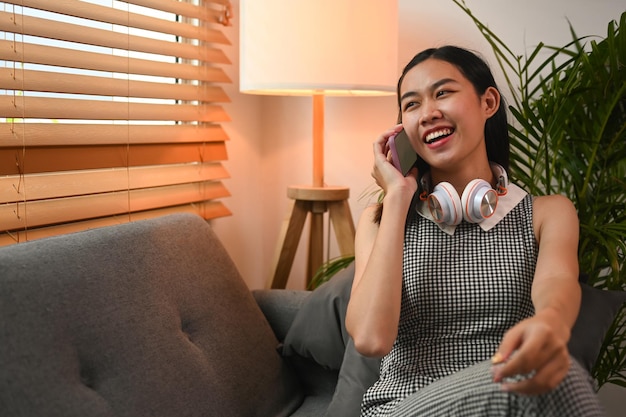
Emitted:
pixel 506 203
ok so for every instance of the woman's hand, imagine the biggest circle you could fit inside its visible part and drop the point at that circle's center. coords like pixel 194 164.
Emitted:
pixel 384 173
pixel 533 357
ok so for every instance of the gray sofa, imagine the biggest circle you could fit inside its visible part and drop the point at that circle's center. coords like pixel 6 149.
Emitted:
pixel 151 318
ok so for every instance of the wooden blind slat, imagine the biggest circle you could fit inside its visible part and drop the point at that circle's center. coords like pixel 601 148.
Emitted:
pixel 70 58
pixel 59 108
pixel 206 209
pixel 60 210
pixel 75 183
pixel 44 81
pixel 181 8
pixel 121 17
pixel 34 26
pixel 68 158
pixel 63 134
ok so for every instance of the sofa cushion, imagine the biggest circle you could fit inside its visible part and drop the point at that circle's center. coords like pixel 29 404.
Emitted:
pixel 318 331
pixel 280 307
pixel 149 318
pixel 598 309
pixel 356 375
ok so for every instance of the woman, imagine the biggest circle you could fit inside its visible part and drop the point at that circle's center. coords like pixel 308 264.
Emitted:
pixel 470 308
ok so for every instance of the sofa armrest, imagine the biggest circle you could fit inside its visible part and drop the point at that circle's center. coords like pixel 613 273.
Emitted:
pixel 280 307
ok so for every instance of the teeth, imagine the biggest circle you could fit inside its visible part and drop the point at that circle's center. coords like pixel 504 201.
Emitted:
pixel 431 137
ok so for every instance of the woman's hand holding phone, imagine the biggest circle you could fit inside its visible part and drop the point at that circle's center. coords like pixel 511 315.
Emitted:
pixel 385 170
pixel 403 156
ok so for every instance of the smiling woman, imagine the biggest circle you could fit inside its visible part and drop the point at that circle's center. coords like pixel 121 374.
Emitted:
pixel 110 112
pixel 470 303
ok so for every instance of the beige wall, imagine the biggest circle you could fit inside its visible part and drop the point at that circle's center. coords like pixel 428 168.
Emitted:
pixel 270 146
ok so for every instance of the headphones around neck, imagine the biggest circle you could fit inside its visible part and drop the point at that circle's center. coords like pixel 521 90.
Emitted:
pixel 478 201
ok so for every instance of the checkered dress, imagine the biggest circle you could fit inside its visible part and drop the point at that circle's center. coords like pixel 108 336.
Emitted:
pixel 461 293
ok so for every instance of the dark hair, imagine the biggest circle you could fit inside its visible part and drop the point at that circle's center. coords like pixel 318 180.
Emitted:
pixel 476 70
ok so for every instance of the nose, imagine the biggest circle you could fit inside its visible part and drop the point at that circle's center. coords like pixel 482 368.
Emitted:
pixel 429 112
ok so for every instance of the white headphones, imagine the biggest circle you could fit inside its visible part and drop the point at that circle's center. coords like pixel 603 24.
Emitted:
pixel 478 202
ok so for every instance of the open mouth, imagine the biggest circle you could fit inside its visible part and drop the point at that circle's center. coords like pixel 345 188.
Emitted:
pixel 433 137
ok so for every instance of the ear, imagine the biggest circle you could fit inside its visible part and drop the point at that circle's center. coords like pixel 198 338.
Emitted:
pixel 491 101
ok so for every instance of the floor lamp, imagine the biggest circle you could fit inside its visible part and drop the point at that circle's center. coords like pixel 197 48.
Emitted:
pixel 317 48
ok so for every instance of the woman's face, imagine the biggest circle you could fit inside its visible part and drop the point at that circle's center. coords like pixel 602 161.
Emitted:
pixel 443 115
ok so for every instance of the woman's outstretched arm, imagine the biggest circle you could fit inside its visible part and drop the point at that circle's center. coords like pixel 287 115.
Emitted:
pixel 538 345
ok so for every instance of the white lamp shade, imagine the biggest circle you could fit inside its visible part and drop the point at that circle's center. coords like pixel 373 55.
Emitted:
pixel 329 47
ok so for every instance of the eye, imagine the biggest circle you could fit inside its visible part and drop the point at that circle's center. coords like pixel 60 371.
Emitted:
pixel 409 104
pixel 441 93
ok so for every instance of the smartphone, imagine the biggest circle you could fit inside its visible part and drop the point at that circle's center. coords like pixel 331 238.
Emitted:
pixel 403 156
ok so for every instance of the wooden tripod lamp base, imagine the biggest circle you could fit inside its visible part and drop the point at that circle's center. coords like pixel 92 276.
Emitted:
pixel 316 201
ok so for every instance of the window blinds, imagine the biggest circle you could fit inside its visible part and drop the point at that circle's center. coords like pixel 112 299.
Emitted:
pixel 110 112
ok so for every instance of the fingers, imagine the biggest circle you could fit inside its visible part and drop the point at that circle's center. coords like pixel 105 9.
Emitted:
pixel 382 155
pixel 531 359
pixel 527 358
pixel 510 342
pixel 541 381
pixel 534 343
pixel 380 144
